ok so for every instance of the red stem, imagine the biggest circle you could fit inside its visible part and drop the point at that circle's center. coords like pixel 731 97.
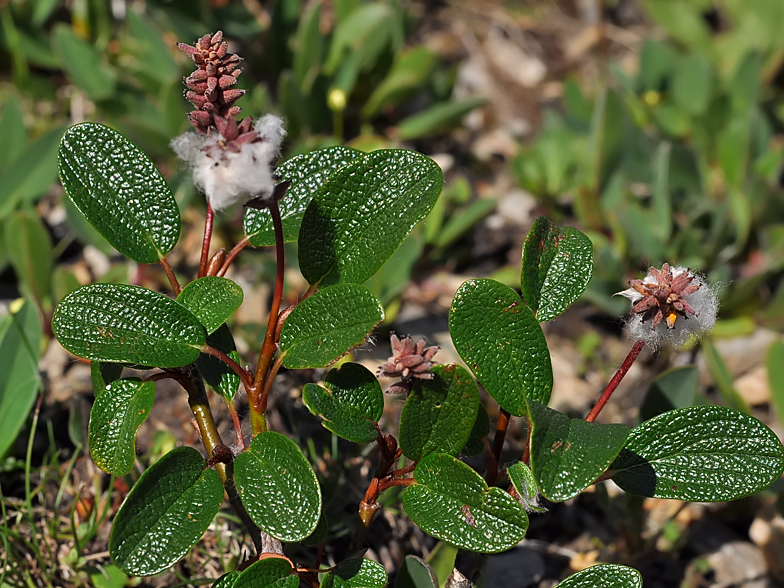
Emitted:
pixel 384 484
pixel 498 445
pixel 616 379
pixel 242 373
pixel 205 244
pixel 268 348
pixel 170 274
pixel 262 402
pixel 237 424
pixel 235 251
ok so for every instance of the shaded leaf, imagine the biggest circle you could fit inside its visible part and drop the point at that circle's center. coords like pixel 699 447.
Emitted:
pixel 120 191
pixel 166 513
pixel 498 337
pixel 450 501
pixel 351 402
pixel 416 573
pixel 439 414
pixel 476 440
pixel 357 220
pixel 116 415
pixel 556 268
pixel 29 250
pixel 128 324
pixel 674 388
pixel 278 487
pixel 700 454
pixel 216 373
pixel 328 324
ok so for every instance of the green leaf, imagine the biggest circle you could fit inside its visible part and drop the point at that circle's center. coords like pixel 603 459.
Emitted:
pixel 217 374
pixel 476 440
pixel 775 364
pixel 83 64
pixel 278 487
pixel 317 536
pixel 501 341
pixel 268 573
pixel 567 455
pixel 604 575
pixel 410 71
pixel 308 47
pixel 699 454
pixel 166 513
pixel 212 299
pixel 64 281
pixel 307 173
pixel 120 191
pixel 29 249
pixel 436 119
pixel 13 131
pixel 351 402
pixel 328 324
pixel 674 388
pixel 692 84
pixel 357 572
pixel 20 345
pixel 439 414
pixel 415 573
pixel 227 580
pixel 352 33
pixel 116 416
pixel 463 220
pixel 33 173
pixel 450 501
pixel 127 324
pixel 358 219
pixel 524 482
pixel 557 266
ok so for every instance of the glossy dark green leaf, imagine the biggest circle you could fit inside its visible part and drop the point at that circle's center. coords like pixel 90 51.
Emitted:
pixel 439 414
pixel 116 415
pixel 127 324
pixel 700 454
pixel 351 402
pixel 501 341
pixel 227 580
pixel 83 64
pixel 357 220
pixel 416 573
pixel 567 455
pixel 450 501
pixel 524 483
pixel 328 324
pixel 437 119
pixel 411 70
pixel 166 513
pixel 357 572
pixel 102 374
pixel 120 191
pixel 216 373
pixel 675 388
pixel 307 173
pixel 29 249
pixel 604 575
pixel 317 536
pixel 212 299
pixel 278 487
pixel 20 350
pixel 476 440
pixel 557 266
pixel 271 572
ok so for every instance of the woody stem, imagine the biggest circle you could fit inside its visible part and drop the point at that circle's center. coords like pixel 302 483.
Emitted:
pixel 205 245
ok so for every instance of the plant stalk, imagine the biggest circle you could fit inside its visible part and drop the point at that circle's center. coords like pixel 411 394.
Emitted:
pixel 231 255
pixel 205 244
pixel 498 445
pixel 616 379
pixel 468 564
pixel 170 275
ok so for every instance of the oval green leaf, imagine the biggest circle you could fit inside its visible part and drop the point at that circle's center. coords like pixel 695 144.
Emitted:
pixel 166 513
pixel 328 324
pixel 502 343
pixel 29 249
pixel 450 501
pixel 357 572
pixel 700 454
pixel 120 191
pixel 127 324
pixel 116 416
pixel 102 374
pixel 476 440
pixel 567 455
pixel 439 414
pixel 604 575
pixel 278 487
pixel 351 402
pixel 557 266
pixel 358 219
pixel 268 573
pixel 216 373
pixel 522 478
pixel 212 299
pixel 416 573
pixel 307 173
